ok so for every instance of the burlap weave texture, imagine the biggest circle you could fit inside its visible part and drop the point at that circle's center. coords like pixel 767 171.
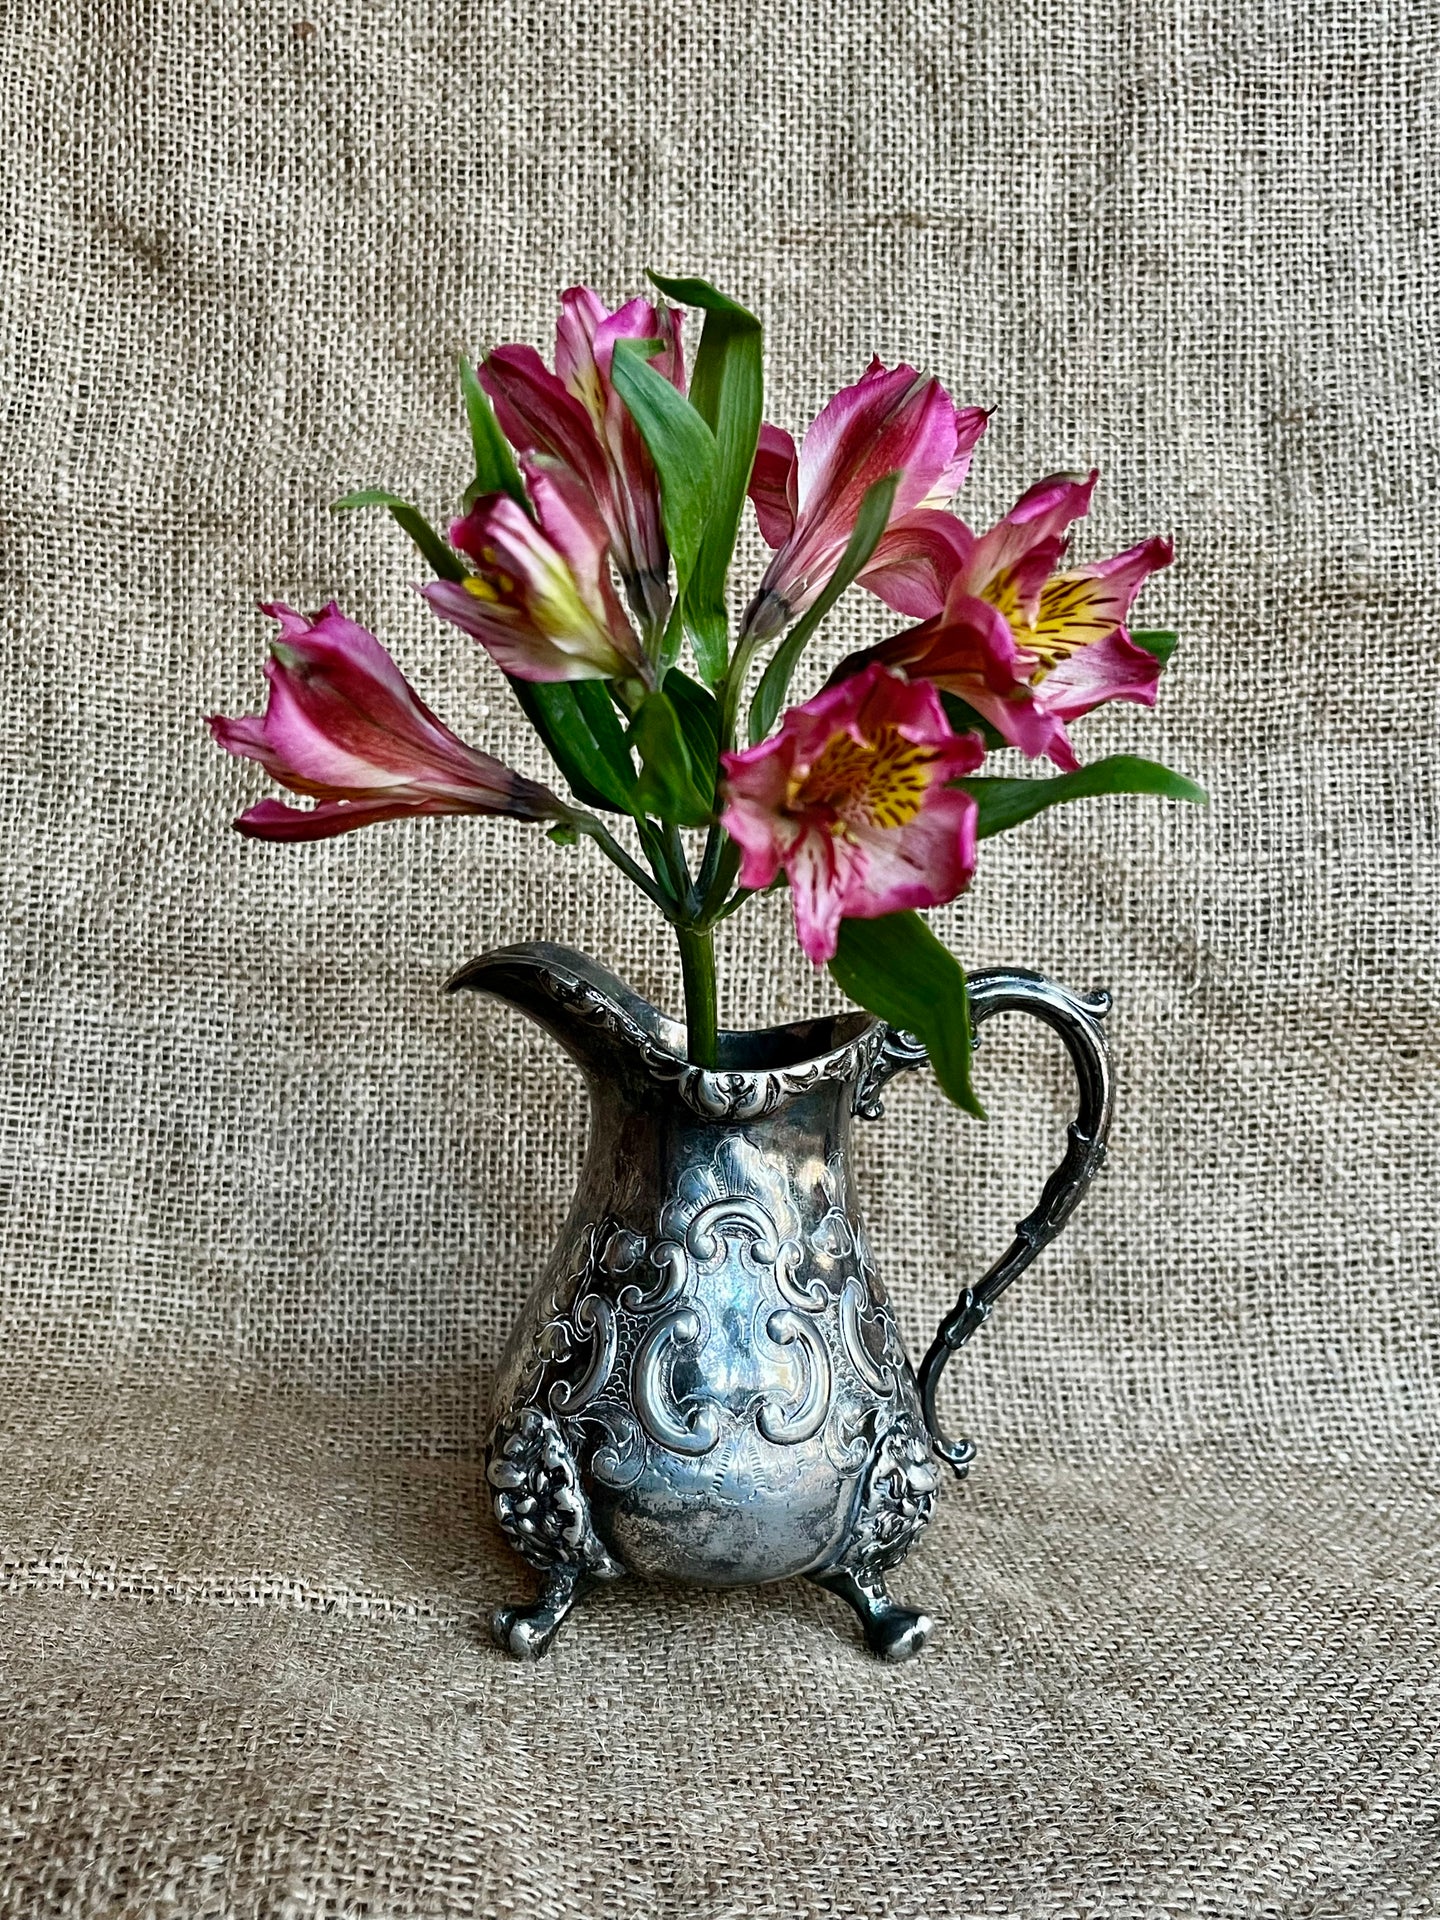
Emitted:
pixel 272 1202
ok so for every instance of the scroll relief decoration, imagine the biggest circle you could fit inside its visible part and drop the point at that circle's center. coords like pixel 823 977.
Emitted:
pixel 730 1336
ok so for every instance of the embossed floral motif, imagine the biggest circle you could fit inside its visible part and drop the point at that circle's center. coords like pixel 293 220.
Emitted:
pixel 539 1501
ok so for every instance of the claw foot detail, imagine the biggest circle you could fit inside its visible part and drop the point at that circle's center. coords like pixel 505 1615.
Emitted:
pixel 892 1632
pixel 897 1498
pixel 528 1633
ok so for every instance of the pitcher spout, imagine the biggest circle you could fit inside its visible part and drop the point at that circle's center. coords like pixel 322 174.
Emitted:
pixel 591 1015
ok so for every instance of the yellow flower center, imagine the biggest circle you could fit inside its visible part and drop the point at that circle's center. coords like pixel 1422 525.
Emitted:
pixel 1065 621
pixel 877 783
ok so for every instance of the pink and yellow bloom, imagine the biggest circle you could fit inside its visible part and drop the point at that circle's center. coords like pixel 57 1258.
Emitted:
pixel 575 418
pixel 893 420
pixel 1027 647
pixel 343 725
pixel 850 799
pixel 540 599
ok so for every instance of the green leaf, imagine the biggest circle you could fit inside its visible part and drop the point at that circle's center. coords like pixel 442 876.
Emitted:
pixel 681 445
pixel 870 523
pixel 441 559
pixel 597 710
pixel 896 968
pixel 667 786
pixel 698 712
pixel 670 640
pixel 495 468
pixel 583 737
pixel 727 391
pixel 1007 803
pixel 1158 643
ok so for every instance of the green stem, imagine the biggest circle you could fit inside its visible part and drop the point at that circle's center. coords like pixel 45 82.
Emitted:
pixel 719 882
pixel 595 830
pixel 733 689
pixel 680 866
pixel 697 966
pixel 734 904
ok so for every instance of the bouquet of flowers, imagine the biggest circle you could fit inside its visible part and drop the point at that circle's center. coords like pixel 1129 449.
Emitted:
pixel 594 547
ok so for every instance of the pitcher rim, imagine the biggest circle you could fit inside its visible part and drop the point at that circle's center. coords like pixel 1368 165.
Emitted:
pixel 764 1065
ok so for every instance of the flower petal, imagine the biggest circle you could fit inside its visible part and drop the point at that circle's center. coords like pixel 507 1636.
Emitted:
pixel 919 558
pixel 342 724
pixel 821 876
pixel 541 599
pixel 773 480
pixel 1043 513
pixel 1112 668
pixel 539 416
pixel 932 862
pixel 273 820
pixel 970 424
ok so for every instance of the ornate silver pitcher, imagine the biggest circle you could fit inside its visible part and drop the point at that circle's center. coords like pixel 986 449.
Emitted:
pixel 707 1384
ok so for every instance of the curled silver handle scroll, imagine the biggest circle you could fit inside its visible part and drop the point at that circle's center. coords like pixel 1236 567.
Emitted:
pixel 1076 1018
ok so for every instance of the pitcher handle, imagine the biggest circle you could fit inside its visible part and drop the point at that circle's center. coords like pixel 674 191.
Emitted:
pixel 1076 1018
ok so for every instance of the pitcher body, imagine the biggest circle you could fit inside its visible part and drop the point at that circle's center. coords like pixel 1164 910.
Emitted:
pixel 707 1384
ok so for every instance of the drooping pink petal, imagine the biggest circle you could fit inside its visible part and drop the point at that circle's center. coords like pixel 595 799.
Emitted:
pixel 919 558
pixel 540 600
pixel 273 820
pixel 820 869
pixel 343 725
pixel 773 480
pixel 1113 668
pixel 850 799
pixel 891 421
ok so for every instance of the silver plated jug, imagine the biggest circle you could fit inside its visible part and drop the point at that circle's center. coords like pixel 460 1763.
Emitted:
pixel 707 1383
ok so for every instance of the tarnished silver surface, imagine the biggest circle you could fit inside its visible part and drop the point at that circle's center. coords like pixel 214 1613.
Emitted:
pixel 707 1384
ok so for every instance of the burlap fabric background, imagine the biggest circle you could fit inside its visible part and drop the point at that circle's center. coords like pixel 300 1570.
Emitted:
pixel 273 1202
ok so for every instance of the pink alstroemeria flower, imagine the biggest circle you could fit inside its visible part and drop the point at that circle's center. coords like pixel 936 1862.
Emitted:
pixel 343 725
pixel 575 417
pixel 1027 647
pixel 893 420
pixel 850 799
pixel 540 599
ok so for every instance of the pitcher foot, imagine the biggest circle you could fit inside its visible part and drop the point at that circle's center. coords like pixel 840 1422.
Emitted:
pixel 893 1632
pixel 527 1632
